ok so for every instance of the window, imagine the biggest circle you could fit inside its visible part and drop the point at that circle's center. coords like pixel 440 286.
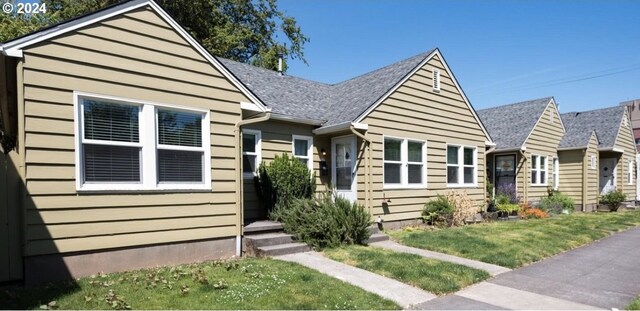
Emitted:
pixel 461 166
pixel 405 163
pixel 538 170
pixel 630 172
pixel 436 80
pixel 134 145
pixel 303 149
pixel 556 174
pixel 593 162
pixel 251 152
pixel 637 141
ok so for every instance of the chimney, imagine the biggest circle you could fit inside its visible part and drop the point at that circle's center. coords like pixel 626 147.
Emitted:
pixel 280 64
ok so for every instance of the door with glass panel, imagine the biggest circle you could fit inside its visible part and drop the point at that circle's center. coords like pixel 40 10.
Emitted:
pixel 344 166
pixel 505 171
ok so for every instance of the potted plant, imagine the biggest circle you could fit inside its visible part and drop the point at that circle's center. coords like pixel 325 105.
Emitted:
pixel 491 202
pixel 613 199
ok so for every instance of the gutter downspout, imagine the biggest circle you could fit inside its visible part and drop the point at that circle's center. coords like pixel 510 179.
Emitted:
pixel 525 189
pixel 367 171
pixel 584 180
pixel 237 134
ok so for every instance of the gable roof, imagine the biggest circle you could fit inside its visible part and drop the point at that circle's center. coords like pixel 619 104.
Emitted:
pixel 15 46
pixel 510 125
pixel 606 122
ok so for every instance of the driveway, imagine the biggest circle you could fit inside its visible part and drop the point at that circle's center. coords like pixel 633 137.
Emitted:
pixel 604 274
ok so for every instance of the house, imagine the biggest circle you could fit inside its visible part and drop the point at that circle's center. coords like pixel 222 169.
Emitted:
pixel 597 155
pixel 132 143
pixel 527 135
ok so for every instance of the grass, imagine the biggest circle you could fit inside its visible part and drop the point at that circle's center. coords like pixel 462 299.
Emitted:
pixel 434 276
pixel 514 244
pixel 237 284
pixel 635 305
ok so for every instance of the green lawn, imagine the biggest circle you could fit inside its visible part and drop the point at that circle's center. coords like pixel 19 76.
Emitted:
pixel 635 305
pixel 238 284
pixel 434 276
pixel 514 244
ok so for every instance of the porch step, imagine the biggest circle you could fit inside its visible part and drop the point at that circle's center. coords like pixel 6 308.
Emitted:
pixel 282 249
pixel 263 226
pixel 377 237
pixel 267 239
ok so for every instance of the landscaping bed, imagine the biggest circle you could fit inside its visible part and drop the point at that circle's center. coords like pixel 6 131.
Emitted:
pixel 514 244
pixel 434 276
pixel 235 284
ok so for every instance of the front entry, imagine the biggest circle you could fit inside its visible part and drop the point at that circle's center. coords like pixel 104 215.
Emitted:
pixel 607 175
pixel 505 171
pixel 343 175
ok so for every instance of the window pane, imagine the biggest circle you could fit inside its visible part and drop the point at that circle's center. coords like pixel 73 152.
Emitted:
pixel 392 173
pixel 534 162
pixel 452 154
pixel 112 122
pixel 179 166
pixel 415 174
pixel 468 175
pixel 111 163
pixel 179 128
pixel 534 177
pixel 343 178
pixel 468 156
pixel 452 174
pixel 248 163
pixel 392 150
pixel 543 177
pixel 301 147
pixel 543 162
pixel 249 142
pixel 415 152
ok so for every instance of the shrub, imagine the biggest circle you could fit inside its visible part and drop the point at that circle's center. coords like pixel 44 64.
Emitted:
pixel 463 208
pixel 508 208
pixel 613 199
pixel 325 221
pixel 556 203
pixel 451 209
pixel 528 212
pixel 282 181
pixel 508 190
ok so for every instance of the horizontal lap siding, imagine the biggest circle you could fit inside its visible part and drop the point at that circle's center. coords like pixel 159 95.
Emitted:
pixel 132 56
pixel 626 142
pixel 571 175
pixel 414 111
pixel 593 179
pixel 543 141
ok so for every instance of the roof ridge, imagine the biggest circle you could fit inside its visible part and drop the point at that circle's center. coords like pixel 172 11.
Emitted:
pixel 422 55
pixel 518 103
pixel 269 71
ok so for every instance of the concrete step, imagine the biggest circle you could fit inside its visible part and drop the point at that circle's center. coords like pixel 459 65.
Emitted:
pixel 377 237
pixel 264 226
pixel 374 229
pixel 267 239
pixel 282 249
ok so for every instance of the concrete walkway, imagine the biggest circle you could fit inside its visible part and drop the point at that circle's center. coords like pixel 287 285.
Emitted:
pixel 391 245
pixel 601 275
pixel 405 295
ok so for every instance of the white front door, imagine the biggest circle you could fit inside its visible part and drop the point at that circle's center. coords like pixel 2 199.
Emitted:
pixel 343 175
pixel 607 175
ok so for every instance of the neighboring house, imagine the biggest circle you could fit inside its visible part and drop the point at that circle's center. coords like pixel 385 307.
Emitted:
pixel 526 136
pixel 633 108
pixel 131 143
pixel 614 165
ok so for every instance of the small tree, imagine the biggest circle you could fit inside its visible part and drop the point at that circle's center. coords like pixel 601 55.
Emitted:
pixel 284 180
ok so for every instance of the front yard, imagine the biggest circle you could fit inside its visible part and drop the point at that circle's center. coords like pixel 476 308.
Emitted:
pixel 236 284
pixel 514 244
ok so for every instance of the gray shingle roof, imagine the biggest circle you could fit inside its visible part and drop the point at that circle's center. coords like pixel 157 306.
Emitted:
pixel 580 125
pixel 510 125
pixel 331 104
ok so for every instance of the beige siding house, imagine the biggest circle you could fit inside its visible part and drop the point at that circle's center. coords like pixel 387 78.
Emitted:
pixel 609 154
pixel 527 135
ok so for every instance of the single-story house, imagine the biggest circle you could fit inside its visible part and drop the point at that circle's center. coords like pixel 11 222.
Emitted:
pixel 132 142
pixel 597 155
pixel 525 156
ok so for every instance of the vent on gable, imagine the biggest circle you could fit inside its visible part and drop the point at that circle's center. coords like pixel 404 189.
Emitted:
pixel 436 80
pixel 551 114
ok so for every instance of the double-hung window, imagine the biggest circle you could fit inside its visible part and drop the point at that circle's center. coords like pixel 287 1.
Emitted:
pixel 555 173
pixel 133 145
pixel 303 149
pixel 251 152
pixel 538 170
pixel 462 166
pixel 405 163
pixel 630 172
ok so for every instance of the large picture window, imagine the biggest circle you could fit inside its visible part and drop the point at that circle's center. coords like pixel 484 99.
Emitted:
pixel 404 163
pixel 462 166
pixel 134 145
pixel 538 170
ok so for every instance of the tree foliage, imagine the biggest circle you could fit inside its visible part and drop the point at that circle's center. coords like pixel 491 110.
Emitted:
pixel 248 31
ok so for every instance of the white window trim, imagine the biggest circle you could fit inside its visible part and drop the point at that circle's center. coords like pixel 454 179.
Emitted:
pixel 148 144
pixel 309 156
pixel 436 80
pixel 257 153
pixel 404 164
pixel 555 173
pixel 629 172
pixel 538 170
pixel 593 162
pixel 461 166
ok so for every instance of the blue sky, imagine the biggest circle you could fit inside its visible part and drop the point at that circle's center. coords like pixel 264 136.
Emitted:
pixel 584 53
